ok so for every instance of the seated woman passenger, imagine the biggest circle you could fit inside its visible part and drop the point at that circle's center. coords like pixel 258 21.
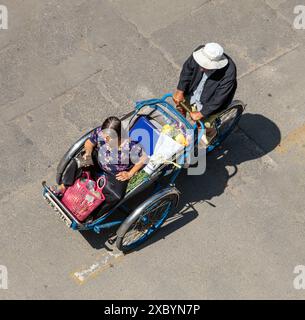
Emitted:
pixel 119 159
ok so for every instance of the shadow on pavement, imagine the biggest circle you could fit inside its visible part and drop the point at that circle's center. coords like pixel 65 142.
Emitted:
pixel 241 146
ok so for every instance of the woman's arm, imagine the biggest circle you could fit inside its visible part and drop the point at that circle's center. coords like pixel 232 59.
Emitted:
pixel 138 166
pixel 89 146
pixel 126 175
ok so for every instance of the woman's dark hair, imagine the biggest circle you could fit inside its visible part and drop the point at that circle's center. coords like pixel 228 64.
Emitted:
pixel 113 123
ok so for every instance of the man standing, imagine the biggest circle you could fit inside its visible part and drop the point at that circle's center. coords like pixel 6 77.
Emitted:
pixel 207 82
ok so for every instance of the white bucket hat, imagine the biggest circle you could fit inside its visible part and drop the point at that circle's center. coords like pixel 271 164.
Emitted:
pixel 211 56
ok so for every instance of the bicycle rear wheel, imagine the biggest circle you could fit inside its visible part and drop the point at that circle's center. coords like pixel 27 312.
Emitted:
pixel 227 121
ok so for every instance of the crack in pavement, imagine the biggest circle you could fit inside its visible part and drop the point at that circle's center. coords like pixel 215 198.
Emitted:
pixel 269 61
pixel 51 99
pixel 278 13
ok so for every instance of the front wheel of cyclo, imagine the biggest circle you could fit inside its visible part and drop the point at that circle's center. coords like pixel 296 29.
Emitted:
pixel 146 219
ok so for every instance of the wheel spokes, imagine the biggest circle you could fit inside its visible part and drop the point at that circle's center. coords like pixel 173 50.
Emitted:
pixel 227 119
pixel 153 215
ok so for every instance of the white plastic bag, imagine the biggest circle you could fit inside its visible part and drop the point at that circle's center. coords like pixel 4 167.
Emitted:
pixel 164 150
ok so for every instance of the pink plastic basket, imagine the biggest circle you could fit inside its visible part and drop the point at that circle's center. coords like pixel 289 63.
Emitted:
pixel 80 200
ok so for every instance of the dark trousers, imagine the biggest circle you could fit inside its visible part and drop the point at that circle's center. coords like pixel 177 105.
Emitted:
pixel 114 191
pixel 71 173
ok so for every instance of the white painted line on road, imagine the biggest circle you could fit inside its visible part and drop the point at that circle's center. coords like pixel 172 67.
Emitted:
pixel 106 261
pixel 268 161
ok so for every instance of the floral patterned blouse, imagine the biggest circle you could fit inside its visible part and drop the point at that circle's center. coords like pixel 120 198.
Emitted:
pixel 114 159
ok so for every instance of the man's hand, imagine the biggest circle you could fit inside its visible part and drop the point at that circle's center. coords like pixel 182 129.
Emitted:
pixel 196 115
pixel 124 175
pixel 178 97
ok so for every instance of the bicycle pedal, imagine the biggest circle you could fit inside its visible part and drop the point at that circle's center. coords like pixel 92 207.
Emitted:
pixel 112 239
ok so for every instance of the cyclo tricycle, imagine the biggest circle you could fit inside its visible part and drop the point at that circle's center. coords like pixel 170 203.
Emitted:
pixel 142 220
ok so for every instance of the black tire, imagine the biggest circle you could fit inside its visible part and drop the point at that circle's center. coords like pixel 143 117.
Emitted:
pixel 146 219
pixel 227 120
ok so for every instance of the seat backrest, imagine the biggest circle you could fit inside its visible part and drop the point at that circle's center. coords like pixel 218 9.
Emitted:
pixel 144 132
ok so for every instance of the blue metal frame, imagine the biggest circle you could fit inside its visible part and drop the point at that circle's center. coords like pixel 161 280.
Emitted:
pixel 153 103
